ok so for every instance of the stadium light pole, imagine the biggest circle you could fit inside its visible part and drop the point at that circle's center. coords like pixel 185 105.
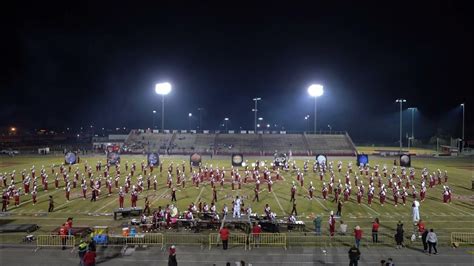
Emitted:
pixel 315 90
pixel 413 109
pixel 189 120
pixel 330 129
pixel 401 101
pixel 256 110
pixel 154 113
pixel 306 118
pixel 200 117
pixel 163 89
pixel 226 120
pixel 463 117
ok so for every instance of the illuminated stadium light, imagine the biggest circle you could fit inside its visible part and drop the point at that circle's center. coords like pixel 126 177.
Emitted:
pixel 268 125
pixel 258 125
pixel 315 90
pixel 190 114
pixel 226 119
pixel 13 129
pixel 260 118
pixel 163 88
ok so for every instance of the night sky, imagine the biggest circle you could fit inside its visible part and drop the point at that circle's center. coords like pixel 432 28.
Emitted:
pixel 77 65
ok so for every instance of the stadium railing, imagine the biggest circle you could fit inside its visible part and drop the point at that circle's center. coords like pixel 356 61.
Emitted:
pixel 235 239
pixel 55 241
pixel 267 240
pixel 148 239
pixel 459 238
pixel 185 239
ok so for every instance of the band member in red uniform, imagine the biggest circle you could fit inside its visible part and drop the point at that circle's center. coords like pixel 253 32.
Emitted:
pixel 311 190
pixel 324 191
pixel 68 191
pixel 359 195
pixel 121 197
pixel 33 195
pixel 16 196
pixel 382 194
pixel 293 192
pixel 370 195
pixel 84 191
pixel 134 198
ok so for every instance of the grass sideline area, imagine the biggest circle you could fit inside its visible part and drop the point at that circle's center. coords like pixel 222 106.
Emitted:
pixel 444 218
pixel 413 150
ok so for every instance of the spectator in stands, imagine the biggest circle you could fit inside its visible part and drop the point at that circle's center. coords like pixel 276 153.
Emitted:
pixel 343 228
pixel 432 240
pixel 224 234
pixel 375 230
pixel 354 256
pixel 317 225
pixel 172 257
pixel 357 235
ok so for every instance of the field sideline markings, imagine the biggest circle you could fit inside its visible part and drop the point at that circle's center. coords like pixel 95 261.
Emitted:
pixel 470 214
pixel 161 195
pixel 106 205
pixel 278 202
pixel 200 193
pixel 371 209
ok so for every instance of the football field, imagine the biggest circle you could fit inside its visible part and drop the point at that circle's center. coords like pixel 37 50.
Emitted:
pixel 457 216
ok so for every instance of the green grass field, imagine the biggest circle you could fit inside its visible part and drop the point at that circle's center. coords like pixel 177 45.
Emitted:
pixel 445 218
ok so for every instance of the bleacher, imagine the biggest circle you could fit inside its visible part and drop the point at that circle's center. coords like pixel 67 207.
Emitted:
pixel 249 144
pixel 330 144
pixel 284 143
pixel 238 143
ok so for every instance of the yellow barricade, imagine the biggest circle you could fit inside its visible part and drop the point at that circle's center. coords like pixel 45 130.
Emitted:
pixel 462 238
pixel 153 239
pixel 235 239
pixel 55 241
pixel 185 239
pixel 268 240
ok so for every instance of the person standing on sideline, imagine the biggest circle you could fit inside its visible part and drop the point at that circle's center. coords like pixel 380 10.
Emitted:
pixel 172 257
pixel 82 248
pixel 224 233
pixel 317 225
pixel 51 204
pixel 256 230
pixel 432 240
pixel 399 235
pixel 424 235
pixel 339 208
pixel 357 235
pixel 416 211
pixel 354 256
pixel 375 230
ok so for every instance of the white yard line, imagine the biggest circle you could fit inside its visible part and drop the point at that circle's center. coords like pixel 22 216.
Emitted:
pixel 278 202
pixel 200 193
pixel 322 205
pixel 161 195
pixel 106 205
pixel 370 209
pixel 470 214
